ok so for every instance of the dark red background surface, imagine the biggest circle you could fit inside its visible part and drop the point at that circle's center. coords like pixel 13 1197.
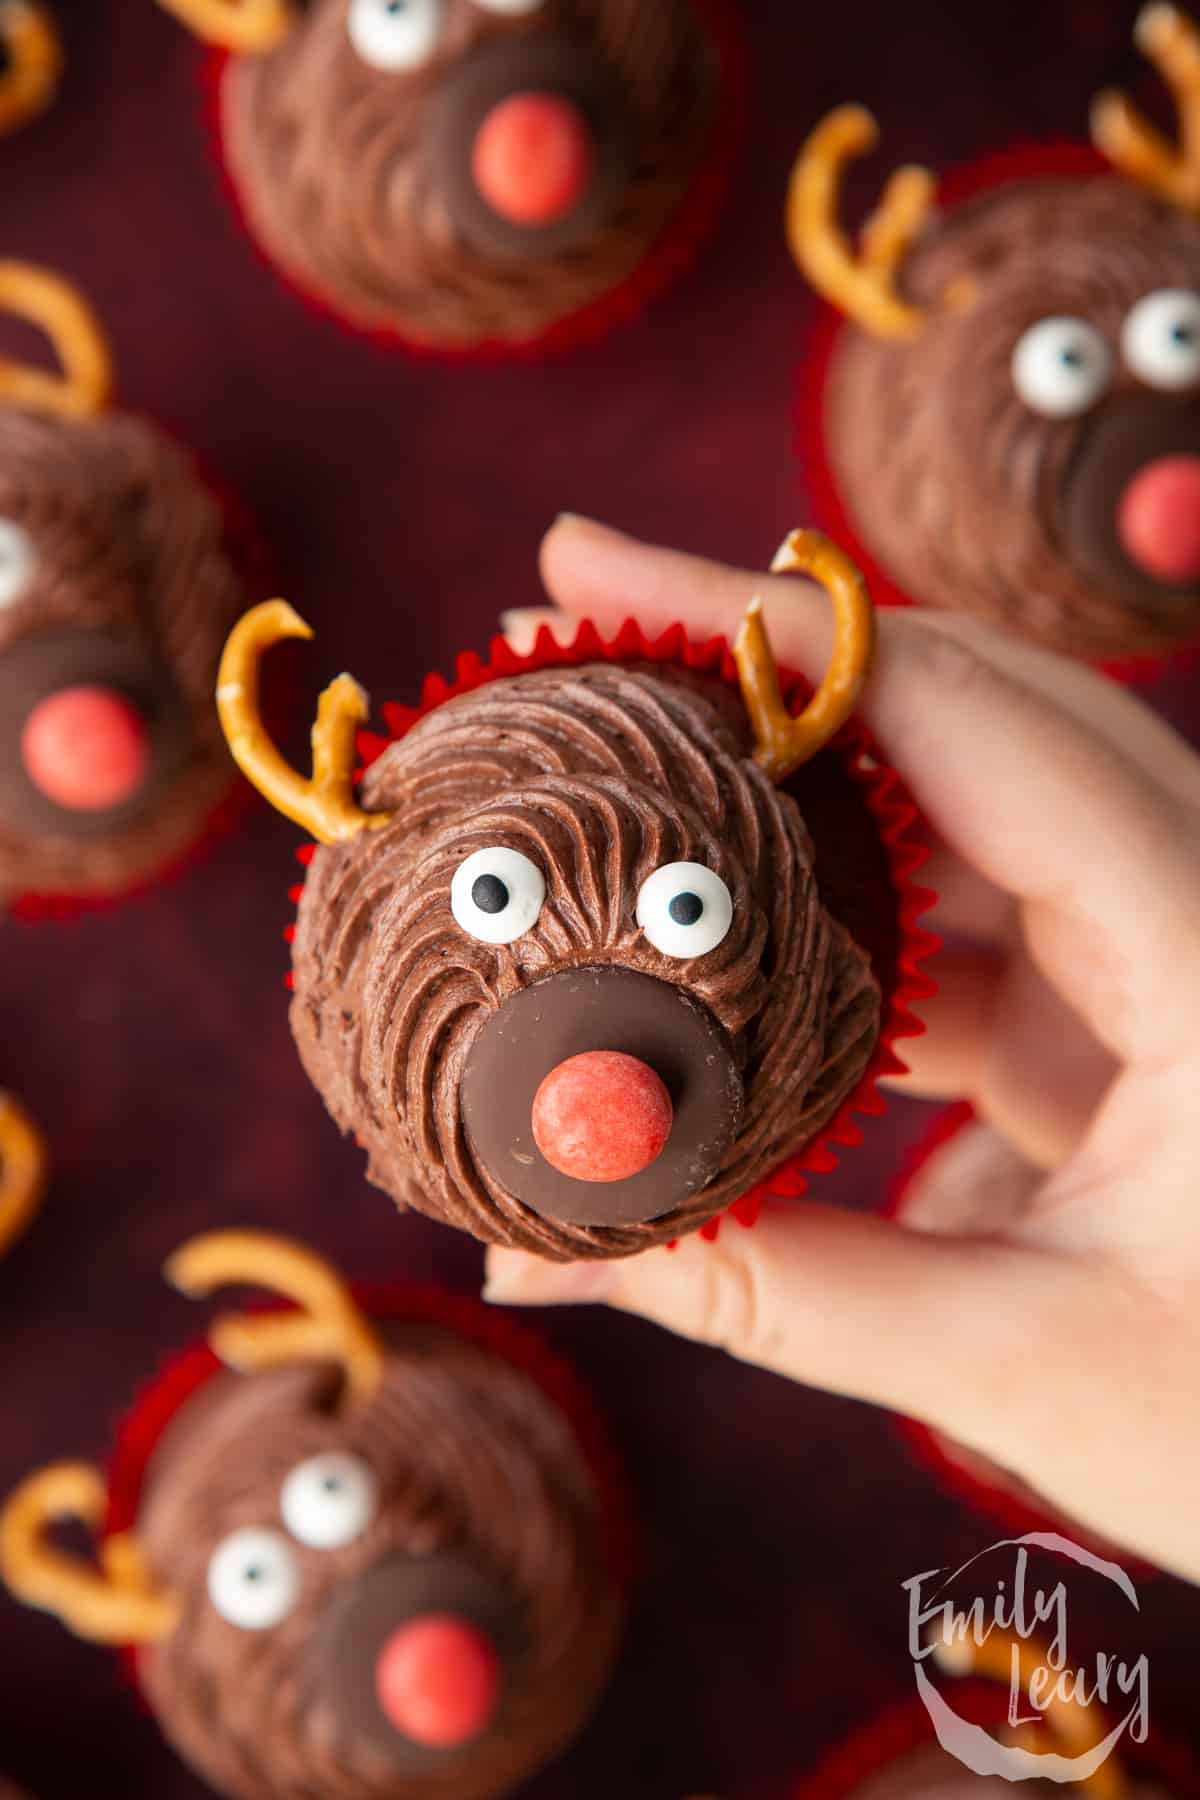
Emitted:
pixel 406 503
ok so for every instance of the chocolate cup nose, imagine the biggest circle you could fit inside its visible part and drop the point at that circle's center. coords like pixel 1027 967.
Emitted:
pixel 364 1617
pixel 610 1009
pixel 1127 438
pixel 561 70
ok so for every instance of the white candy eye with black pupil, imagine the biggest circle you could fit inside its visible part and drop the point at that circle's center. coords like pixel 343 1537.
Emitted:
pixel 18 562
pixel 253 1579
pixel 685 910
pixel 496 895
pixel 329 1500
pixel 1061 367
pixel 1161 339
pixel 394 35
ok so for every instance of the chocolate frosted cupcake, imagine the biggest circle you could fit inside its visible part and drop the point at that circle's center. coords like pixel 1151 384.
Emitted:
pixel 380 1562
pixel 1014 433
pixel 570 966
pixel 117 587
pixel 23 1163
pixel 460 173
pixel 30 62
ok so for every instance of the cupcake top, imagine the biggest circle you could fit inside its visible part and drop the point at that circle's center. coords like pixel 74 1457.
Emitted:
pixel 467 170
pixel 930 1773
pixel 1016 434
pixel 372 1563
pixel 116 591
pixel 567 973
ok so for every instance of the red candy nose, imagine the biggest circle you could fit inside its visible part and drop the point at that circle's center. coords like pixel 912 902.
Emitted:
pixel 1159 518
pixel 438 1681
pixel 85 748
pixel 533 158
pixel 602 1116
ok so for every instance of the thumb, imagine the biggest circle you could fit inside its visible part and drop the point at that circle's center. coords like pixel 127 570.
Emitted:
pixel 935 1327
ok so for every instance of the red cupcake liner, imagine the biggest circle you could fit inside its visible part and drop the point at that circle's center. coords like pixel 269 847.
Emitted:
pixel 896 940
pixel 906 1728
pixel 1012 1512
pixel 672 257
pixel 490 1329
pixel 253 559
pixel 1023 162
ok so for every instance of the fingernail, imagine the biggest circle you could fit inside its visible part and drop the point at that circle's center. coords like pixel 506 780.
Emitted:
pixel 517 1279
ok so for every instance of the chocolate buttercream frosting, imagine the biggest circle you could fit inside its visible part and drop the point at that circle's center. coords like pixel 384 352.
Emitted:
pixel 968 498
pixel 357 179
pixel 117 575
pixel 485 1509
pixel 597 776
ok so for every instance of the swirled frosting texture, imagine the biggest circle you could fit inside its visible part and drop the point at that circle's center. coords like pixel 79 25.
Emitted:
pixel 472 1461
pixel 954 484
pixel 335 168
pixel 128 545
pixel 600 775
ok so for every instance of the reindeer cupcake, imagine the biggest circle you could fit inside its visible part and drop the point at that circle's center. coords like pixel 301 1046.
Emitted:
pixel 30 62
pixel 23 1165
pixel 564 965
pixel 380 1561
pixel 117 587
pixel 459 173
pixel 1011 417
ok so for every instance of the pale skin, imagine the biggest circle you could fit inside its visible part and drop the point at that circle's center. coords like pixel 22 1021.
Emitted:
pixel 1066 1345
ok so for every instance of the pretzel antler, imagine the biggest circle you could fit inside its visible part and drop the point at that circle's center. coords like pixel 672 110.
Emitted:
pixel 243 26
pixel 861 284
pixel 112 1603
pixel 782 742
pixel 1172 43
pixel 1067 1725
pixel 325 804
pixel 330 1326
pixel 23 1162
pixel 55 307
pixel 33 59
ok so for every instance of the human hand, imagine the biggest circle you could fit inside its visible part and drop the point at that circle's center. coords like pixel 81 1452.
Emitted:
pixel 1065 1344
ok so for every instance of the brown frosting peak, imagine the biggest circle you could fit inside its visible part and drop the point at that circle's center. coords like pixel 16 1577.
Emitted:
pixel 130 584
pixel 358 179
pixel 968 498
pixel 600 776
pixel 485 1506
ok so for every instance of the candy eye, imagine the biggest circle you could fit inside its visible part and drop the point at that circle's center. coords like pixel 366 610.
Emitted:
pixel 1161 339
pixel 684 909
pixel 18 562
pixel 329 1500
pixel 510 8
pixel 496 895
pixel 394 34
pixel 1061 367
pixel 253 1580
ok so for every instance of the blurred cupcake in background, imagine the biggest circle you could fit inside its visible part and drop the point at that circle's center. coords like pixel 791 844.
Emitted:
pixel 504 176
pixel 120 574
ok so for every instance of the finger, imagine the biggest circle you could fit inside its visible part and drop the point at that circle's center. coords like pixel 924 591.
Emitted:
pixel 522 624
pixel 967 905
pixel 842 1301
pixel 595 572
pixel 1040 802
pixel 997 1035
